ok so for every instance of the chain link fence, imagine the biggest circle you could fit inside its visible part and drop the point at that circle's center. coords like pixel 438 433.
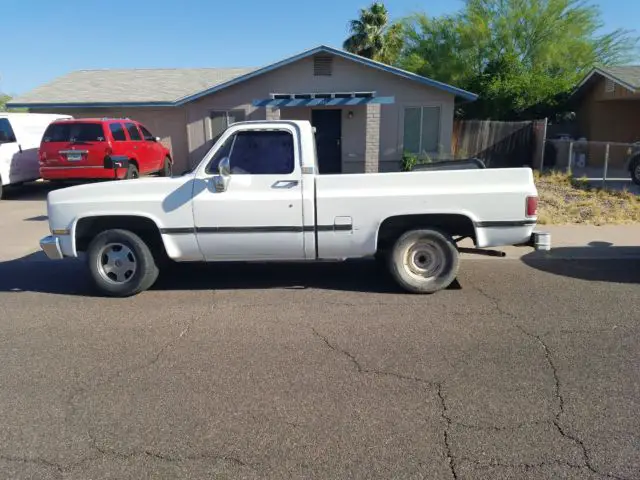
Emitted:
pixel 605 162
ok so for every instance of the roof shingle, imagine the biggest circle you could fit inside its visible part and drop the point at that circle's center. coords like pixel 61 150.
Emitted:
pixel 133 85
pixel 627 74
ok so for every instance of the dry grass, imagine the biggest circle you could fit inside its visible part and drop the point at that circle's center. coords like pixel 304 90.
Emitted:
pixel 566 200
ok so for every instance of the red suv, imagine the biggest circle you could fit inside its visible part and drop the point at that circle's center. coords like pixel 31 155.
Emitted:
pixel 82 148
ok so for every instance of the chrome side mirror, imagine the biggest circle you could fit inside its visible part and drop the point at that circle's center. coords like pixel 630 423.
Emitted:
pixel 222 180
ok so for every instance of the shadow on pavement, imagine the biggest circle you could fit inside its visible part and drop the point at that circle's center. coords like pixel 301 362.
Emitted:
pixel 35 273
pixel 36 191
pixel 598 262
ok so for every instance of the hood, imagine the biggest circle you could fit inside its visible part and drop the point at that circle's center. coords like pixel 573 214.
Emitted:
pixel 117 191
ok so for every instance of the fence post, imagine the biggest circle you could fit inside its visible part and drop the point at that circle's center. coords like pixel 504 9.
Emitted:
pixel 570 157
pixel 606 166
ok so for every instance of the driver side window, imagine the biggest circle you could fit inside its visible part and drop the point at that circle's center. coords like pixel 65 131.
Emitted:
pixel 257 152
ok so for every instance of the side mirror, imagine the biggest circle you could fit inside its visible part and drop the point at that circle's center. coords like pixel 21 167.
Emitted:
pixel 156 139
pixel 224 169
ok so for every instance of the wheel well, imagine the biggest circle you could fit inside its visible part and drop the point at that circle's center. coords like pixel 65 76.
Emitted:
pixel 393 227
pixel 146 229
pixel 135 162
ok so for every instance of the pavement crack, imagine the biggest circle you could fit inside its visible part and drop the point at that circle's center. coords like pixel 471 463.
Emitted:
pixel 557 390
pixel 337 349
pixel 168 345
pixel 496 428
pixel 35 461
pixel 525 465
pixel 444 412
pixel 166 457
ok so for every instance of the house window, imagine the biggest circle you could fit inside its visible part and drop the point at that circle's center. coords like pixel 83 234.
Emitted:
pixel 421 129
pixel 219 120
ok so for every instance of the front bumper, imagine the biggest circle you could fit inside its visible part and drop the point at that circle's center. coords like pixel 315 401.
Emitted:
pixel 50 245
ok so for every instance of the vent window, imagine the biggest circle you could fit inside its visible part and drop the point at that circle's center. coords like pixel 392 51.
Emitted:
pixel 609 86
pixel 322 65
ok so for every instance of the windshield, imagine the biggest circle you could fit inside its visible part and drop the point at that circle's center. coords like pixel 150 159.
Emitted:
pixel 74 132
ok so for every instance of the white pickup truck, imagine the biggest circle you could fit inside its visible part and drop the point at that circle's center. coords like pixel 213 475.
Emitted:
pixel 257 196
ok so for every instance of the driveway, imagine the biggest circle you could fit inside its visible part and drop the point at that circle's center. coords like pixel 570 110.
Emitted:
pixel 524 369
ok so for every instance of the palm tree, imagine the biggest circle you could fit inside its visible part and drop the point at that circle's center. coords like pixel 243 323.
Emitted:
pixel 372 36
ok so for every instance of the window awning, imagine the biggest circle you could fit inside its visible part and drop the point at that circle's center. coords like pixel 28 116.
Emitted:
pixel 280 100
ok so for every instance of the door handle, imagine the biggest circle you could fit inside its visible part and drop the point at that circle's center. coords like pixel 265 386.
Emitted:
pixel 285 184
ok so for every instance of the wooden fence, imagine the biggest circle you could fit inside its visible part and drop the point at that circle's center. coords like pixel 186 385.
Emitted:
pixel 499 144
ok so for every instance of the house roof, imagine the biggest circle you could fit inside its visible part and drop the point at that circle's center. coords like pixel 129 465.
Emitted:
pixel 627 76
pixel 174 87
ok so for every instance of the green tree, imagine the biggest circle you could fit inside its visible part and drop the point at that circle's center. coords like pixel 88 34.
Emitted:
pixel 523 57
pixel 373 36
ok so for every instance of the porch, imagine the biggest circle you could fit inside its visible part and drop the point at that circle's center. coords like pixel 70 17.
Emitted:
pixel 347 126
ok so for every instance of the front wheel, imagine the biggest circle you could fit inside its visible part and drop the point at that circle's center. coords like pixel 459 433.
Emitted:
pixel 121 263
pixel 634 170
pixel 424 261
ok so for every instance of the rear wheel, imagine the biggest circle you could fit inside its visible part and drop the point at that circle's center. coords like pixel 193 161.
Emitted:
pixel 424 261
pixel 634 170
pixel 132 172
pixel 166 168
pixel 121 263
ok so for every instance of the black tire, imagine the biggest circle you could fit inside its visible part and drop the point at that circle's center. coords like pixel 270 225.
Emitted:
pixel 142 277
pixel 132 172
pixel 634 170
pixel 424 261
pixel 167 168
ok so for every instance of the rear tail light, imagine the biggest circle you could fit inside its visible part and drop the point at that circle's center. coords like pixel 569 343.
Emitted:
pixel 532 206
pixel 43 156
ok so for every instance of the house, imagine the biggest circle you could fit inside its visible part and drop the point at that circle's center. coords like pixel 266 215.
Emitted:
pixel 607 104
pixel 366 113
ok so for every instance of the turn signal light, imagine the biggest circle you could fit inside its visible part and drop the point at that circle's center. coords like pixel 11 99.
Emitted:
pixel 532 206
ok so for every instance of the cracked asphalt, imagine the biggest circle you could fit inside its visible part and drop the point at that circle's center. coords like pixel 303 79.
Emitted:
pixel 522 370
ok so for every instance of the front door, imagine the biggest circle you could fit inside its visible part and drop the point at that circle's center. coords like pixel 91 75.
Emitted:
pixel 328 125
pixel 259 214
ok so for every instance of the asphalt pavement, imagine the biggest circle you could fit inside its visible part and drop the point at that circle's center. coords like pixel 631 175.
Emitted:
pixel 523 369
pixel 526 368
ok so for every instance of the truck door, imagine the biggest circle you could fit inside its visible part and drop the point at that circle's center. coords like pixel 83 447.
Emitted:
pixel 257 215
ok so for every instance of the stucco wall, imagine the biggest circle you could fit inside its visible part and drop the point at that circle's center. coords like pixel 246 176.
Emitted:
pixel 347 76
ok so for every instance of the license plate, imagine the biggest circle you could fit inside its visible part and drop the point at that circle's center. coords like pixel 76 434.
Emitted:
pixel 74 157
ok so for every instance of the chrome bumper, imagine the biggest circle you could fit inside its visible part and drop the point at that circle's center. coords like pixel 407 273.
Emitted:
pixel 50 245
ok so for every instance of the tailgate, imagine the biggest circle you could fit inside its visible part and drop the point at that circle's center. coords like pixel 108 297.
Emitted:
pixel 73 144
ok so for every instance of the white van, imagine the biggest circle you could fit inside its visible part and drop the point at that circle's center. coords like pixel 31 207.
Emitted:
pixel 20 136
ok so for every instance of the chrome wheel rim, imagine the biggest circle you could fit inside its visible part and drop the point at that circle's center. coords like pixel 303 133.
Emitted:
pixel 424 259
pixel 116 263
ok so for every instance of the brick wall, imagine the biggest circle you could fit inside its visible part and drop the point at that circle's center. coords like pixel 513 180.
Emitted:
pixel 372 138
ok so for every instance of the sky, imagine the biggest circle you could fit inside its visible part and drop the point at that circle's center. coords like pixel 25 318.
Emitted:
pixel 44 39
